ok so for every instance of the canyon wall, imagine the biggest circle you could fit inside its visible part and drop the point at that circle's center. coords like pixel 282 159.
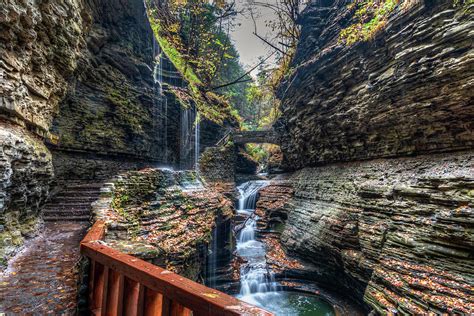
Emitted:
pixel 39 47
pixel 408 91
pixel 382 135
pixel 114 110
pixel 78 100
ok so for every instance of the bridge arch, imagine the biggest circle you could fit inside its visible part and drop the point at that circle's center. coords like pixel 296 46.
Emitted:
pixel 255 137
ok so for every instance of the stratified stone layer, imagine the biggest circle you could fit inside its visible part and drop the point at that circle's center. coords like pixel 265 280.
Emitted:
pixel 25 175
pixel 397 232
pixel 408 91
pixel 39 47
pixel 165 217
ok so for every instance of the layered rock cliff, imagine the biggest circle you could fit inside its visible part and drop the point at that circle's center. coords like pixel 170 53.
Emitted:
pixel 165 217
pixel 88 79
pixel 381 133
pixel 408 91
pixel 39 46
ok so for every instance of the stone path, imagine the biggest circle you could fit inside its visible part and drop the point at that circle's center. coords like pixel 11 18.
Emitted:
pixel 42 279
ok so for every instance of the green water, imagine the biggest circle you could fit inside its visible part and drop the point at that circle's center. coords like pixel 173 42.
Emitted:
pixel 291 303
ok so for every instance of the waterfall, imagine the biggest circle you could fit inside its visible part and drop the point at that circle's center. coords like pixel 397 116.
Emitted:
pixel 197 131
pixel 212 260
pixel 160 108
pixel 190 134
pixel 255 278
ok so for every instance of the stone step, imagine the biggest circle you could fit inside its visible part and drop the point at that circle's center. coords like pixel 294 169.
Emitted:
pixel 82 218
pixel 62 206
pixel 73 203
pixel 83 187
pixel 72 193
pixel 68 212
pixel 71 199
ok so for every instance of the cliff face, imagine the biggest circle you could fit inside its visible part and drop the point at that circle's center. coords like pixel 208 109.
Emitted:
pixel 114 109
pixel 382 133
pixel 409 91
pixel 396 233
pixel 39 46
pixel 77 76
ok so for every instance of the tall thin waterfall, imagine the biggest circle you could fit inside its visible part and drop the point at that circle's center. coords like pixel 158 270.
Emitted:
pixel 255 277
pixel 190 134
pixel 197 134
pixel 160 109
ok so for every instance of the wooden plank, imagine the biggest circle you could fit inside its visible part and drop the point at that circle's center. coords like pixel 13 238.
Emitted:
pixel 130 298
pixel 91 283
pixel 153 303
pixel 141 300
pixel 105 290
pixel 179 310
pixel 178 289
pixel 115 294
pixel 98 288
pixel 165 306
pixel 97 232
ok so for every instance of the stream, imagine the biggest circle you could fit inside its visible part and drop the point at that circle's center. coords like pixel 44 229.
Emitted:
pixel 257 283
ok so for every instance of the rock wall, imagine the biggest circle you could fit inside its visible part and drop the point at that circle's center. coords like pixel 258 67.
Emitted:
pixel 78 76
pixel 114 107
pixel 25 175
pixel 39 47
pixel 165 217
pixel 381 133
pixel 408 91
pixel 395 232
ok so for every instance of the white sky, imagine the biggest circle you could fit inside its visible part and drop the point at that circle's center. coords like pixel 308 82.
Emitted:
pixel 248 45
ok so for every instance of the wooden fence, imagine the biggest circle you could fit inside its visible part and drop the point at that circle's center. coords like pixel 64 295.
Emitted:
pixel 120 284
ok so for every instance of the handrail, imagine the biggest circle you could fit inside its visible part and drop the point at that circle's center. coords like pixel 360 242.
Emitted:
pixel 120 284
pixel 224 138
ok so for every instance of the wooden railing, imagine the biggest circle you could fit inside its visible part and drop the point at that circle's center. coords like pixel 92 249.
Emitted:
pixel 225 139
pixel 120 284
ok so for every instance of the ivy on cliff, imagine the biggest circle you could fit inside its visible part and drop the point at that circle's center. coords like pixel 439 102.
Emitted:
pixel 194 36
pixel 371 16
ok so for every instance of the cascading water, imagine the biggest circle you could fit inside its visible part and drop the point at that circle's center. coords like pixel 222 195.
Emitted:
pixel 190 134
pixel 197 134
pixel 257 283
pixel 255 277
pixel 160 109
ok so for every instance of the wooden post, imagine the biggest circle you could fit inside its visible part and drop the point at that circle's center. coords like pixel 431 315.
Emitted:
pixel 97 290
pixel 115 294
pixel 153 302
pixel 131 296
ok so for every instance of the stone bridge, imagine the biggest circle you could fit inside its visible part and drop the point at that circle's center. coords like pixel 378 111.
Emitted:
pixel 255 137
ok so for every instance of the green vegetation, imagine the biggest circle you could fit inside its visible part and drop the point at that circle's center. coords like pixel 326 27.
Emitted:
pixel 194 37
pixel 119 204
pixel 173 54
pixel 369 18
pixel 128 111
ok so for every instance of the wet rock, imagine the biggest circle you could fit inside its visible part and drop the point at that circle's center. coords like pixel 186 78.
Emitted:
pixel 394 233
pixel 39 48
pixel 26 172
pixel 158 216
pixel 397 249
pixel 408 91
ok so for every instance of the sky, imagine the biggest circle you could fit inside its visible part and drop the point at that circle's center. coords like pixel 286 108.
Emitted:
pixel 248 45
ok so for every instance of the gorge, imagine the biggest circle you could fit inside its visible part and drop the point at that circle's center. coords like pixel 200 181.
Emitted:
pixel 367 207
